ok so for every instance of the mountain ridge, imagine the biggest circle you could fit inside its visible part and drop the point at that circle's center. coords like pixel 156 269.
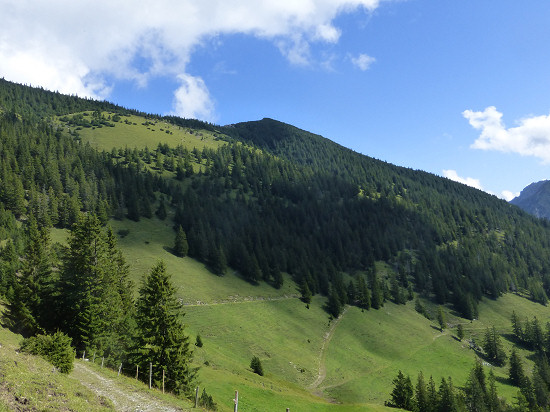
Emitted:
pixel 535 199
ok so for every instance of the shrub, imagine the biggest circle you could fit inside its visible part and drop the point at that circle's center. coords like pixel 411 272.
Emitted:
pixel 198 341
pixel 207 402
pixel 256 366
pixel 55 348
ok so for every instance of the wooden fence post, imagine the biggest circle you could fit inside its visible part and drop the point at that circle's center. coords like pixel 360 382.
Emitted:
pixel 102 360
pixel 150 374
pixel 83 355
pixel 93 360
pixel 236 400
pixel 137 371
pixel 197 397
pixel 119 369
pixel 163 381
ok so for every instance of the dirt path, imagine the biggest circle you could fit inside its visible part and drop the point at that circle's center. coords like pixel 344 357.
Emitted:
pixel 124 398
pixel 322 374
pixel 238 300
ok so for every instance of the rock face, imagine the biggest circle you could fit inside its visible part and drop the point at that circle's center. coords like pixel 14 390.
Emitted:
pixel 535 199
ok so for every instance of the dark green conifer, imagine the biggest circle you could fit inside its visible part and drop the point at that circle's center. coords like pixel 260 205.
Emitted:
pixel 256 366
pixel 161 338
pixel 181 247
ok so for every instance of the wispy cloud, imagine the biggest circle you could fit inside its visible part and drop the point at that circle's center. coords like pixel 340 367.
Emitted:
pixel 363 61
pixel 470 181
pixel 530 138
pixel 508 195
pixel 476 183
pixel 83 48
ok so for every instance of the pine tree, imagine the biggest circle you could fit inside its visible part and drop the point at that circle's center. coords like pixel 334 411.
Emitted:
pixel 494 404
pixel 161 211
pixel 181 247
pixel 334 307
pixel 441 318
pixel 256 366
pixel 402 393
pixel 32 307
pixel 460 332
pixel 515 373
pixel 305 292
pixel 516 327
pixel 422 401
pixel 433 397
pixel 160 333
pixel 95 294
pixel 377 294
pixel 446 397
pixel 363 293
pixel 493 347
pixel 475 389
pixel 217 261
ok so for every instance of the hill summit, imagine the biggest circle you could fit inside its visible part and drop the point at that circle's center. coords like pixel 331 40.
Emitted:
pixel 535 199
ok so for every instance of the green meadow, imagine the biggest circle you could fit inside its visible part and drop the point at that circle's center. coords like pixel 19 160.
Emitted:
pixel 310 363
pixel 137 131
pixel 238 320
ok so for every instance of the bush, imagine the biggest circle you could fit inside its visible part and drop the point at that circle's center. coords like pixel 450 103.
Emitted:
pixel 207 402
pixel 198 341
pixel 55 348
pixel 256 366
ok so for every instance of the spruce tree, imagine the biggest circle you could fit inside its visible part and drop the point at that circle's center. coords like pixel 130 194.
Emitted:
pixel 515 372
pixel 460 332
pixel 377 294
pixel 256 366
pixel 95 294
pixel 422 401
pixel 441 318
pixel 161 338
pixel 402 393
pixel 181 247
pixel 31 309
pixel 334 307
pixel 305 292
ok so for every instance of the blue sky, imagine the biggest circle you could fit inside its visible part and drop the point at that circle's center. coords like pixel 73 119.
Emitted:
pixel 457 88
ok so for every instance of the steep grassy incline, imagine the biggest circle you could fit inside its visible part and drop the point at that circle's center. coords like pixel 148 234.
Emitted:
pixel 359 360
pixel 28 383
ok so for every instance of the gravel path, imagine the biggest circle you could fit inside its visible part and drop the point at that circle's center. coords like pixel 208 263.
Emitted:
pixel 124 398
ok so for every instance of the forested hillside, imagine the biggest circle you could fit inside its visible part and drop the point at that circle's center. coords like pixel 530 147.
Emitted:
pixel 272 199
pixel 261 199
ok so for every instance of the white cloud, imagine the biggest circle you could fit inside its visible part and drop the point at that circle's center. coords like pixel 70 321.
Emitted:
pixel 530 138
pixel 470 181
pixel 508 195
pixel 476 183
pixel 192 99
pixel 363 61
pixel 74 46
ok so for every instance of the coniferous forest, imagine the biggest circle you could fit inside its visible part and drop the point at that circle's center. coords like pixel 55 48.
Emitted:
pixel 272 199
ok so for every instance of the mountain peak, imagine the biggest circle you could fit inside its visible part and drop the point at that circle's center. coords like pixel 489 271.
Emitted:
pixel 535 199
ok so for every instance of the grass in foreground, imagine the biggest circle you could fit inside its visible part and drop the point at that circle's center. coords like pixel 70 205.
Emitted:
pixel 29 383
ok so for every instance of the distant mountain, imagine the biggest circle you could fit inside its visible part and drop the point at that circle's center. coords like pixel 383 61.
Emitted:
pixel 535 199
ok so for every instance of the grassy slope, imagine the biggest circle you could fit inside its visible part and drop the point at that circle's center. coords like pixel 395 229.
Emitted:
pixel 28 383
pixel 237 320
pixel 138 135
